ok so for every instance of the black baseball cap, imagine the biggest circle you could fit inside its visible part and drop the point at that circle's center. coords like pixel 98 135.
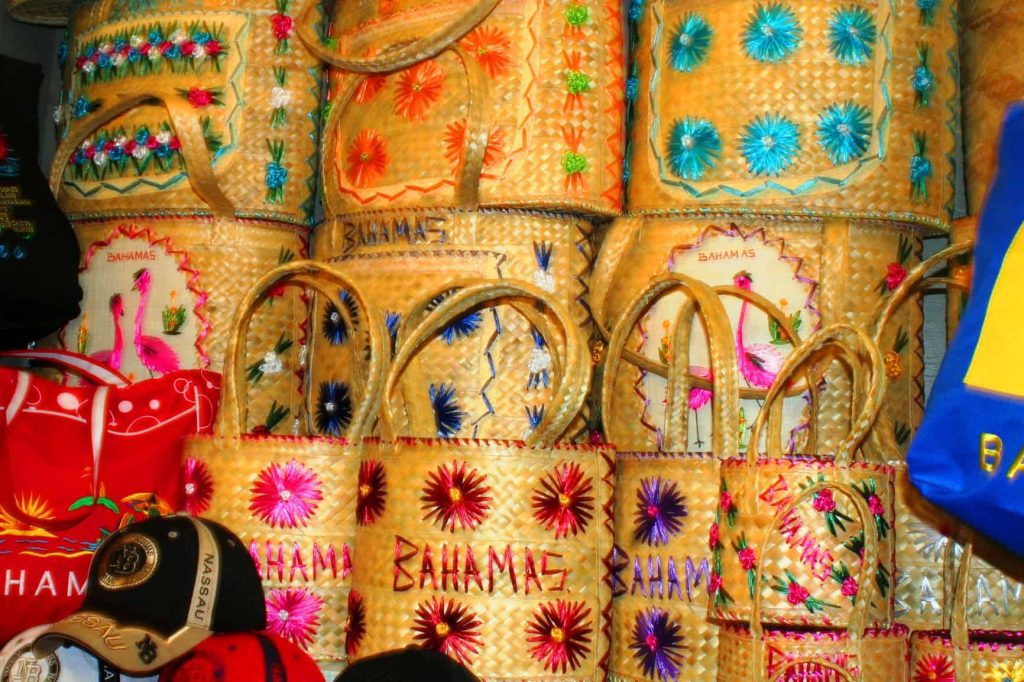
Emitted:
pixel 157 589
pixel 407 665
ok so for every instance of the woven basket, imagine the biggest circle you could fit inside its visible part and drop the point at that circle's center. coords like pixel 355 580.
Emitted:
pixel 800 107
pixel 291 499
pixel 811 575
pixel 495 366
pixel 251 101
pixel 757 654
pixel 493 552
pixel 198 271
pixel 816 272
pixel 523 108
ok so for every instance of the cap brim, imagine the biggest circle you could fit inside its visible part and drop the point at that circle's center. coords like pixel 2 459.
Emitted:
pixel 132 650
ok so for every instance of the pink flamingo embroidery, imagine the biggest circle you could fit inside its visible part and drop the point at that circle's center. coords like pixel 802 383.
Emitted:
pixel 759 362
pixel 156 355
pixel 112 357
pixel 699 397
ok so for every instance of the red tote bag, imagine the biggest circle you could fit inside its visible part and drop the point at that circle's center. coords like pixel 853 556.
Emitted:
pixel 76 464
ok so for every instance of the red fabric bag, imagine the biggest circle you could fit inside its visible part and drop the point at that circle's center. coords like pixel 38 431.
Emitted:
pixel 77 463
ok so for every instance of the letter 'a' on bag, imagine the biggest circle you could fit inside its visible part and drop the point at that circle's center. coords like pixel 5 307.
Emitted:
pixel 968 455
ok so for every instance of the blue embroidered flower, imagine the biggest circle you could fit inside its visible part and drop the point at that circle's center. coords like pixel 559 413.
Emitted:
pixel 920 168
pixel 693 147
pixel 90 51
pixel 173 53
pixel 770 143
pixel 119 44
pixel 632 88
pixel 133 54
pixel 141 137
pixel 103 61
pixel 636 9
pixel 80 108
pixel 277 175
pixel 392 321
pixel 927 11
pixel 657 644
pixel 162 150
pixel 852 35
pixel 540 363
pixel 535 415
pixel 690 43
pixel 116 153
pixel 923 80
pixel 334 326
pixel 627 163
pixel 772 33
pixel 333 408
pixel 201 38
pixel 448 415
pixel 844 131
pixel 154 37
pixel 660 510
pixel 462 328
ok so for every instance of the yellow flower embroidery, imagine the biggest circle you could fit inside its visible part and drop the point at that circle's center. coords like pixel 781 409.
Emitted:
pixel 1007 671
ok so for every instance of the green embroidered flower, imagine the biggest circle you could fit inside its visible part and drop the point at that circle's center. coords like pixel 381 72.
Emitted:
pixel 574 163
pixel 577 82
pixel 577 15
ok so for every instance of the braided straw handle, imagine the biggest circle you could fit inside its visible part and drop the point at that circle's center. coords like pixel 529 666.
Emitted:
pixel 570 392
pixel 959 634
pixel 326 280
pixel 865 595
pixel 725 409
pixel 185 124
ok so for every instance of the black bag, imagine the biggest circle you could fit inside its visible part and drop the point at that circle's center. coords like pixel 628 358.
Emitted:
pixel 38 251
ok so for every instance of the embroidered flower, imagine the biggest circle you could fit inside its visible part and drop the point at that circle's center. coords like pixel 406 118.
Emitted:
pixel 285 496
pixel 772 33
pixel 690 42
pixel 448 415
pixel 632 88
pixel 747 558
pixel 923 80
pixel 490 46
pixel 714 537
pixel 563 501
pixel 540 357
pixel 1006 671
pixel 875 505
pixel 456 494
pixel 367 158
pixel 693 147
pixel 455 144
pixel 927 11
pixel 935 668
pixel 277 175
pixel 824 501
pixel 559 635
pixel 279 97
pixel 198 486
pixel 850 587
pixel 796 594
pixel 333 408
pixel 294 614
pixel 334 325
pixel 770 143
pixel 894 276
pixel 636 10
pixel 372 494
pixel 657 644
pixel 660 510
pixel 542 277
pixel 574 163
pixel 920 168
pixel 449 627
pixel 461 328
pixel 368 88
pixel 355 623
pixel 844 131
pixel 419 88
pixel 852 35
pixel 282 26
pixel 576 17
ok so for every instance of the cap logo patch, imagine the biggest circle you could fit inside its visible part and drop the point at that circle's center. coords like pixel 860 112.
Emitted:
pixel 147 649
pixel 130 562
pixel 24 667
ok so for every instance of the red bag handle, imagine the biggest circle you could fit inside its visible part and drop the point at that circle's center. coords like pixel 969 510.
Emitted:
pixel 82 365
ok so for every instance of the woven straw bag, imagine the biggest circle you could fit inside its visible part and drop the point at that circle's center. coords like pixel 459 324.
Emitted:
pixel 493 552
pixel 664 505
pixel 292 499
pixel 757 654
pixel 809 577
pixel 234 82
pixel 517 103
pixel 797 107
pixel 492 362
pixel 809 273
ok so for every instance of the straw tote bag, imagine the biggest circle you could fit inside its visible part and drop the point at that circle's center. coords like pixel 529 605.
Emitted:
pixel 809 576
pixel 497 552
pixel 755 653
pixel 798 107
pixel 293 499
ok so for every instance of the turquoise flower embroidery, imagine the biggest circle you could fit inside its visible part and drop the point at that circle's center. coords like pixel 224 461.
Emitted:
pixel 852 35
pixel 690 43
pixel 772 33
pixel 693 147
pixel 844 131
pixel 920 168
pixel 277 174
pixel 636 10
pixel 927 11
pixel 632 88
pixel 770 143
pixel 923 79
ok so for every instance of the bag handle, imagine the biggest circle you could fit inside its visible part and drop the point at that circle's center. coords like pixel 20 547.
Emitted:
pixel 186 126
pixel 82 365
pixel 327 281
pixel 725 407
pixel 867 588
pixel 959 634
pixel 570 391
pixel 441 29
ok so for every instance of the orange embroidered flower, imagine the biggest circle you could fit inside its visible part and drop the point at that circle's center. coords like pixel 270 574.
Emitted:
pixel 419 87
pixel 455 144
pixel 369 87
pixel 367 158
pixel 491 48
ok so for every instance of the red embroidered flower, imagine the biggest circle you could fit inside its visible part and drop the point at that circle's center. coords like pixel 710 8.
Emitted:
pixel 187 48
pixel 850 587
pixel 876 506
pixel 725 501
pixel 559 635
pixel 796 594
pixel 491 48
pixel 449 627
pixel 285 496
pixel 563 501
pixel 419 87
pixel 294 614
pixel 715 583
pixel 372 492
pixel 369 87
pixel 198 486
pixel 894 275
pixel 934 668
pixel 824 502
pixel 282 25
pixel 213 48
pixel 198 97
pixel 355 623
pixel 453 494
pixel 367 158
pixel 748 560
pixel 714 539
pixel 455 144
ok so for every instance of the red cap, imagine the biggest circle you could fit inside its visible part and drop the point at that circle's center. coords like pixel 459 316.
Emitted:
pixel 243 657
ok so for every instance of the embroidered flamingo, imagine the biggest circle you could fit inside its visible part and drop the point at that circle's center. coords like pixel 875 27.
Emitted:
pixel 112 357
pixel 759 362
pixel 154 353
pixel 699 397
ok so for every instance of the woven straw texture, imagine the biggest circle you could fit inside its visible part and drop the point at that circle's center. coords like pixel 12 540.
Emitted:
pixel 45 12
pixel 806 106
pixel 493 363
pixel 292 499
pixel 196 273
pixel 254 93
pixel 814 272
pixel 523 110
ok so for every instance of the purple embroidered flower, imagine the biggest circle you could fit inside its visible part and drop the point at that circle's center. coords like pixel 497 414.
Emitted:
pixel 660 511
pixel 657 644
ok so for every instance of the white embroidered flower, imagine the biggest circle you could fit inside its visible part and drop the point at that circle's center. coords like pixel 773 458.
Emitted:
pixel 135 41
pixel 117 59
pixel 540 360
pixel 543 279
pixel 107 47
pixel 302 355
pixel 121 140
pixel 163 137
pixel 140 152
pixel 199 52
pixel 86 144
pixel 154 53
pixel 178 37
pixel 279 97
pixel 100 159
pixel 58 114
pixel 271 363
pixel 89 66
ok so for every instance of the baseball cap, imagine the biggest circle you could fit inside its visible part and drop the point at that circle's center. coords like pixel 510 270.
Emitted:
pixel 66 664
pixel 243 657
pixel 407 665
pixel 158 588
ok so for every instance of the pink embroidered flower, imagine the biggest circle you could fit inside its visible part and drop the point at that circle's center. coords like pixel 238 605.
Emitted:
pixel 894 275
pixel 876 506
pixel 934 668
pixel 282 25
pixel 198 97
pixel 796 594
pixel 563 501
pixel 559 635
pixel 372 492
pixel 715 583
pixel 294 614
pixel 449 627
pixel 355 623
pixel 213 48
pixel 850 587
pixel 714 539
pixel 824 501
pixel 454 495
pixel 198 486
pixel 725 501
pixel 285 496
pixel 748 560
